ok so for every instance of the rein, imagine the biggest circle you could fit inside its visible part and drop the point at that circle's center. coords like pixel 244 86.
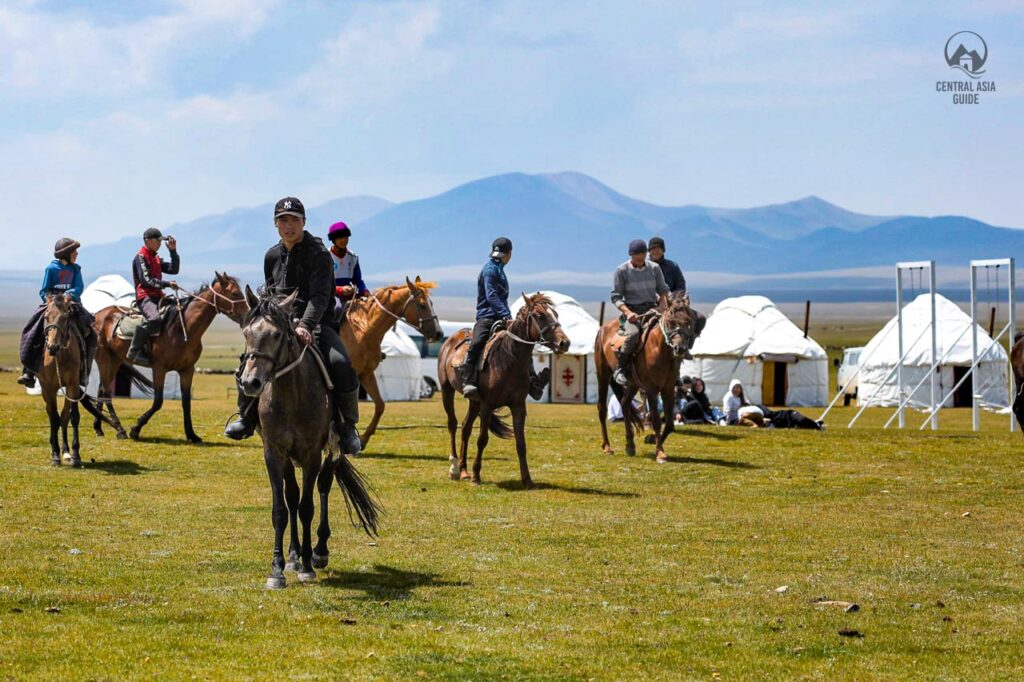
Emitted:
pixel 275 360
pixel 412 297
pixel 218 295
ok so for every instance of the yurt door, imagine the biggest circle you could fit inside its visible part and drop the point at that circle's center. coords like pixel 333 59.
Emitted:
pixel 568 379
pixel 773 383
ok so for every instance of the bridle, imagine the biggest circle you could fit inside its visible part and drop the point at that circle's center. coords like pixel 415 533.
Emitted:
pixel 217 296
pixel 421 309
pixel 668 333
pixel 63 343
pixel 286 346
pixel 554 324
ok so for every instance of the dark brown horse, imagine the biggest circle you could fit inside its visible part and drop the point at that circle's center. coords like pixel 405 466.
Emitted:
pixel 61 370
pixel 503 382
pixel 369 319
pixel 295 424
pixel 1017 363
pixel 655 370
pixel 176 349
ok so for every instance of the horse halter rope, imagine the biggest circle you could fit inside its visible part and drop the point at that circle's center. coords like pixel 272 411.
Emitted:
pixel 64 342
pixel 216 296
pixel 542 331
pixel 420 309
pixel 275 360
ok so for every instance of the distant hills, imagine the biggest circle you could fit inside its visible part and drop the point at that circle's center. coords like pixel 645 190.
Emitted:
pixel 573 226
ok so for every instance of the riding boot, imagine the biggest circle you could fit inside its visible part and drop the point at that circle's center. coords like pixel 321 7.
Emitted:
pixel 137 350
pixel 27 378
pixel 347 416
pixel 248 418
pixel 621 375
pixel 469 372
pixel 538 382
pixel 92 345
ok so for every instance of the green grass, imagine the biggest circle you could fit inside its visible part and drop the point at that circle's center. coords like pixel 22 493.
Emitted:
pixel 616 568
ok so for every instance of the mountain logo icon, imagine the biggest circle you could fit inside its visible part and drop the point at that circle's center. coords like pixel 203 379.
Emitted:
pixel 968 52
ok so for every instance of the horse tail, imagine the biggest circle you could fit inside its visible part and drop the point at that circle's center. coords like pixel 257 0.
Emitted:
pixel 358 496
pixel 89 403
pixel 139 380
pixel 628 412
pixel 500 428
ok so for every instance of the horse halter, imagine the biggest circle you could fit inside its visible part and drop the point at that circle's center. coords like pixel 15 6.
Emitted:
pixel 541 331
pixel 420 309
pixel 668 333
pixel 218 296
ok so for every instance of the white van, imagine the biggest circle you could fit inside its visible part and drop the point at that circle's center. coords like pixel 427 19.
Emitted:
pixel 845 379
pixel 429 351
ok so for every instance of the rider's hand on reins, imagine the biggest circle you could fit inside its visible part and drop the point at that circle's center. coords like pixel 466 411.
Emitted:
pixel 304 336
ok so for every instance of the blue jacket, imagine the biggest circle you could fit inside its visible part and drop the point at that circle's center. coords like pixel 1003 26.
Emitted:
pixel 61 278
pixel 492 291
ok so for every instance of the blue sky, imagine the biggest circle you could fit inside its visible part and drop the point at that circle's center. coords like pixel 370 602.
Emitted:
pixel 117 116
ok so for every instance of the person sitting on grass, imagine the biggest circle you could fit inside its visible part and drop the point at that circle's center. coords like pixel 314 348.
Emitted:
pixel 697 409
pixel 738 411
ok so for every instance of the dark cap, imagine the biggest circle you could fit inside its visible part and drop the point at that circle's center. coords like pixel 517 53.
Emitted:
pixel 687 379
pixel 637 246
pixel 289 206
pixel 152 233
pixel 64 247
pixel 656 242
pixel 502 246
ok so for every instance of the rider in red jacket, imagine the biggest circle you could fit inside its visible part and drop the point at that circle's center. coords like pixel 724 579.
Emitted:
pixel 147 271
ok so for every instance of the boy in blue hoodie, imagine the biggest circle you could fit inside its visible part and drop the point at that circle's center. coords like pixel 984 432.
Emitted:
pixel 62 276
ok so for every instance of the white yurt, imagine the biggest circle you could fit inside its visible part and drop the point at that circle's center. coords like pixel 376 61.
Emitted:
pixel 398 375
pixel 877 381
pixel 748 338
pixel 573 377
pixel 111 290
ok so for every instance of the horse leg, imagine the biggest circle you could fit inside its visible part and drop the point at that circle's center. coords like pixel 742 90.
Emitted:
pixel 54 415
pixel 519 426
pixel 372 390
pixel 448 400
pixel 76 455
pixel 1018 405
pixel 97 422
pixel 158 401
pixel 652 410
pixel 186 403
pixel 65 417
pixel 602 412
pixel 467 429
pixel 291 498
pixel 108 373
pixel 309 475
pixel 279 517
pixel 627 411
pixel 667 396
pixel 481 441
pixel 324 481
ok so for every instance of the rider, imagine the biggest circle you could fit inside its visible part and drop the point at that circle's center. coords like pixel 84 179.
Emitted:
pixel 669 268
pixel 638 287
pixel 348 277
pixel 62 275
pixel 148 271
pixel 300 262
pixel 492 308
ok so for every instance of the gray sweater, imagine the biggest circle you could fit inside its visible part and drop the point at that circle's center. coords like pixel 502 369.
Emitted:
pixel 638 288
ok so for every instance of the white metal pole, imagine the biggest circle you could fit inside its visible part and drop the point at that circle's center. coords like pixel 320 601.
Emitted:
pixel 1013 333
pixel 975 408
pixel 935 347
pixel 899 329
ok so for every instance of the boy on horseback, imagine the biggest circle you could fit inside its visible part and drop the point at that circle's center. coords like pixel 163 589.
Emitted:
pixel 638 287
pixel 348 277
pixel 147 272
pixel 492 309
pixel 62 276
pixel 300 262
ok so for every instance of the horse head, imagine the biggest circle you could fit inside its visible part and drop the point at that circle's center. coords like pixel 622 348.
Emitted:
pixel 541 321
pixel 681 324
pixel 228 297
pixel 419 310
pixel 55 319
pixel 270 340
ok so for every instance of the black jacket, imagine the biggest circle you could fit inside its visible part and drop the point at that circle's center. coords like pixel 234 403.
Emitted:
pixel 701 398
pixel 309 269
pixel 673 275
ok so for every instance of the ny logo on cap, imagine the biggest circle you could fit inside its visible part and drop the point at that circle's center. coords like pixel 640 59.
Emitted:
pixel 287 204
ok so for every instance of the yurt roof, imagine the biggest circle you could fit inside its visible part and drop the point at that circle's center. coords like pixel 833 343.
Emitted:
pixel 750 326
pixel 579 325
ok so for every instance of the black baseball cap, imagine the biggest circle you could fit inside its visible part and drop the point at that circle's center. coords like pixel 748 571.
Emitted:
pixel 289 206
pixel 152 233
pixel 637 246
pixel 501 247
pixel 656 242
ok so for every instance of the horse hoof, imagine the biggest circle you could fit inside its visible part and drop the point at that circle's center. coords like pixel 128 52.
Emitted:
pixel 276 582
pixel 475 480
pixel 65 458
pixel 76 462
pixel 195 440
pixel 292 565
pixel 465 476
pixel 55 460
pixel 662 458
pixel 607 449
pixel 307 577
pixel 134 434
pixel 121 435
pixel 631 451
pixel 649 439
pixel 319 561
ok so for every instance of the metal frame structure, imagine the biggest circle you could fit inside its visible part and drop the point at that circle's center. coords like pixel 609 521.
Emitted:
pixel 1011 328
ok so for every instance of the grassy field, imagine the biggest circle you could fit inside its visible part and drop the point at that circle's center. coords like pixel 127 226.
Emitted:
pixel 150 561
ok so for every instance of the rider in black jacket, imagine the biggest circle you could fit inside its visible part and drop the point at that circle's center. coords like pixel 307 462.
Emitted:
pixel 301 262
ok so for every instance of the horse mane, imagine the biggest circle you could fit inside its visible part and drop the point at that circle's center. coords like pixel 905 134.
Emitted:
pixel 268 307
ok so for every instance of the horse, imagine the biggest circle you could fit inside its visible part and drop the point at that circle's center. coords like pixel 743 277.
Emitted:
pixel 503 381
pixel 176 349
pixel 295 424
pixel 1017 363
pixel 655 370
pixel 61 369
pixel 366 322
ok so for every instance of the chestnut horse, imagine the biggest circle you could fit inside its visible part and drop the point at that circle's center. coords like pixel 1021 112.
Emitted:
pixel 1017 363
pixel 655 370
pixel 174 350
pixel 61 369
pixel 366 322
pixel 504 381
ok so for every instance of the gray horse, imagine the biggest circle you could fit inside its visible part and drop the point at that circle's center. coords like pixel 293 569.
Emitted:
pixel 295 425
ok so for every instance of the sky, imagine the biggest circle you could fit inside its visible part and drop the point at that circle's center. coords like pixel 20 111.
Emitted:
pixel 118 116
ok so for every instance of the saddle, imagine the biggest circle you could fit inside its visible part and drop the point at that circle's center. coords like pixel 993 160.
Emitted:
pixel 460 351
pixel 133 318
pixel 648 321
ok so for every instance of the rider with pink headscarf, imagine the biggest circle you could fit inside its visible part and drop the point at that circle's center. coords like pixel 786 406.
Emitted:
pixel 348 277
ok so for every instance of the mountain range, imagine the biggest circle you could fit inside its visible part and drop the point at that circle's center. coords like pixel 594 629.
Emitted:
pixel 568 227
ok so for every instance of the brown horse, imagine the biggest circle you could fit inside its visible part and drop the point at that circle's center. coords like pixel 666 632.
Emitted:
pixel 503 382
pixel 655 370
pixel 1017 363
pixel 174 350
pixel 61 369
pixel 366 322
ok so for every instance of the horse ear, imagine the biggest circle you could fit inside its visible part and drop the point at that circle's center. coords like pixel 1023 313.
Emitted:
pixel 701 321
pixel 418 280
pixel 408 282
pixel 288 302
pixel 250 297
pixel 526 299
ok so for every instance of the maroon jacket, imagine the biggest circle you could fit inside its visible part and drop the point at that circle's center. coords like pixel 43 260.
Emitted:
pixel 147 270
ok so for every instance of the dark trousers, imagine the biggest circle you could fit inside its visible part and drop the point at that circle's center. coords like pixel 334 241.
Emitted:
pixel 150 309
pixel 481 334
